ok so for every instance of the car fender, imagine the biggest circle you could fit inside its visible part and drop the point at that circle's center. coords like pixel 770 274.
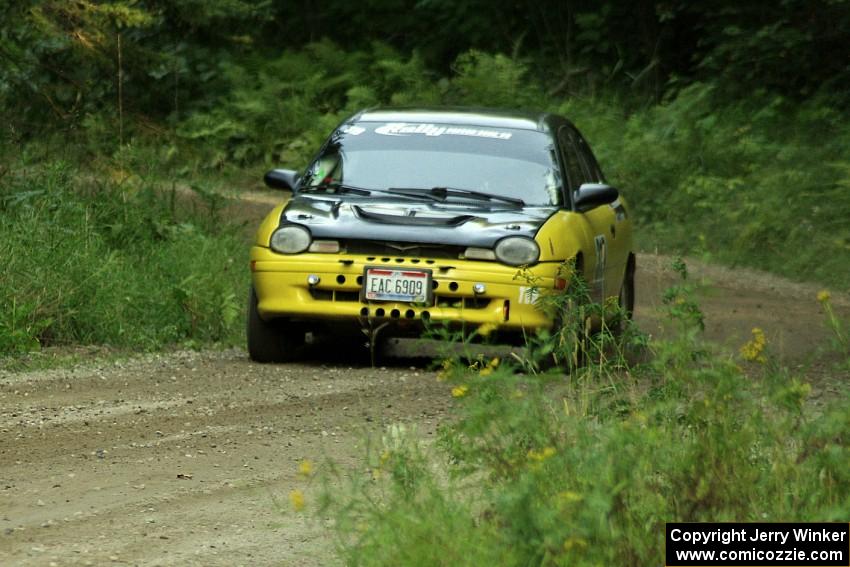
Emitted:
pixel 269 224
pixel 561 238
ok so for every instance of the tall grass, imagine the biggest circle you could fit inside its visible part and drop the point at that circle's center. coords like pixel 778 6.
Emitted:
pixel 93 261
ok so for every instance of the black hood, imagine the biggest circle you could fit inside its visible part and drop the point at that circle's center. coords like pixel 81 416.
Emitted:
pixel 403 220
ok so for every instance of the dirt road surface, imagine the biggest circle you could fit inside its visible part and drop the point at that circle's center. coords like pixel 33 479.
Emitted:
pixel 188 458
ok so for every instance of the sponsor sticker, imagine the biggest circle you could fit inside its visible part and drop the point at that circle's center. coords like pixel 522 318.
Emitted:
pixel 405 129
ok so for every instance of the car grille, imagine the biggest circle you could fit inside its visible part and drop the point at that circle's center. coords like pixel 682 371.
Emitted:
pixel 408 249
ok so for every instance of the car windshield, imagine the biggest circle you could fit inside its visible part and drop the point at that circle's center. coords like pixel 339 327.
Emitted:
pixel 502 162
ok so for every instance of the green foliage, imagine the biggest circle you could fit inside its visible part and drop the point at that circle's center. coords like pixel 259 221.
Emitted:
pixel 280 111
pixel 493 80
pixel 273 110
pixel 124 264
pixel 65 61
pixel 384 533
pixel 546 471
pixel 747 182
pixel 62 63
pixel 782 51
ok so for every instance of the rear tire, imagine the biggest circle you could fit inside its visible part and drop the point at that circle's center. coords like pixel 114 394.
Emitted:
pixel 627 296
pixel 272 341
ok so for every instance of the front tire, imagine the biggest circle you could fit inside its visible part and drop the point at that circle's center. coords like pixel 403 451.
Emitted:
pixel 271 341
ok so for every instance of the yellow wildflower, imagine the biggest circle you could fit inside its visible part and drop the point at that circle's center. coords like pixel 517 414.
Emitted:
pixel 296 498
pixel 445 370
pixel 305 467
pixel 491 366
pixel 823 296
pixel 542 455
pixel 460 391
pixel 385 457
pixel 753 350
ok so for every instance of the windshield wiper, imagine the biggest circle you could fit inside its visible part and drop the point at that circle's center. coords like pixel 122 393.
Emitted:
pixel 336 187
pixel 439 194
pixel 443 193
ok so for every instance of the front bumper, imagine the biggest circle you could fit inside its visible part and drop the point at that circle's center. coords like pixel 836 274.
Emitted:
pixel 507 305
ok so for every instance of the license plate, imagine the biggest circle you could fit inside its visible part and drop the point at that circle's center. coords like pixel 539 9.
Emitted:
pixel 387 284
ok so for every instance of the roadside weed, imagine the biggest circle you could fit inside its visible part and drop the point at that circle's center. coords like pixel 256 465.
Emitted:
pixel 840 333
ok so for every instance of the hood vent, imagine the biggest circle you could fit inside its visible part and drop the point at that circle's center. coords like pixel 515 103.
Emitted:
pixel 411 218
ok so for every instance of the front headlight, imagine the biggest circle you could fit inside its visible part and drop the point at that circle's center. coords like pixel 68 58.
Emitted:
pixel 517 251
pixel 290 239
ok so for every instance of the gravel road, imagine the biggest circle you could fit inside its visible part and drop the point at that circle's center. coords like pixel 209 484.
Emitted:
pixel 185 458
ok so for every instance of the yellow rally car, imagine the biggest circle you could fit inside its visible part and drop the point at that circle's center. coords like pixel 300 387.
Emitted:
pixel 447 216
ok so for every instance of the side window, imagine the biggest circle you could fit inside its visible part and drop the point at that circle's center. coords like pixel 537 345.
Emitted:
pixel 576 174
pixel 554 185
pixel 593 169
pixel 326 169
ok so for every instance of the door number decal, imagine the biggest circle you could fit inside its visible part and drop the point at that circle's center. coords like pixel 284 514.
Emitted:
pixel 601 260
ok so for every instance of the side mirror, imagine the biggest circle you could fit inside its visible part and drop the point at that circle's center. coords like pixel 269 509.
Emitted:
pixel 592 195
pixel 281 179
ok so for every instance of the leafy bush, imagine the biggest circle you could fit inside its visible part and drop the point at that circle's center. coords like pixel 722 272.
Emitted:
pixel 125 264
pixel 280 110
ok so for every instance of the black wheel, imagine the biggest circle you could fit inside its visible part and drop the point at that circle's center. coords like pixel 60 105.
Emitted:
pixel 272 341
pixel 627 296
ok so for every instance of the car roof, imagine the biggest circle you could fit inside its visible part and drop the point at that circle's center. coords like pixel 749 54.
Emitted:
pixel 536 121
